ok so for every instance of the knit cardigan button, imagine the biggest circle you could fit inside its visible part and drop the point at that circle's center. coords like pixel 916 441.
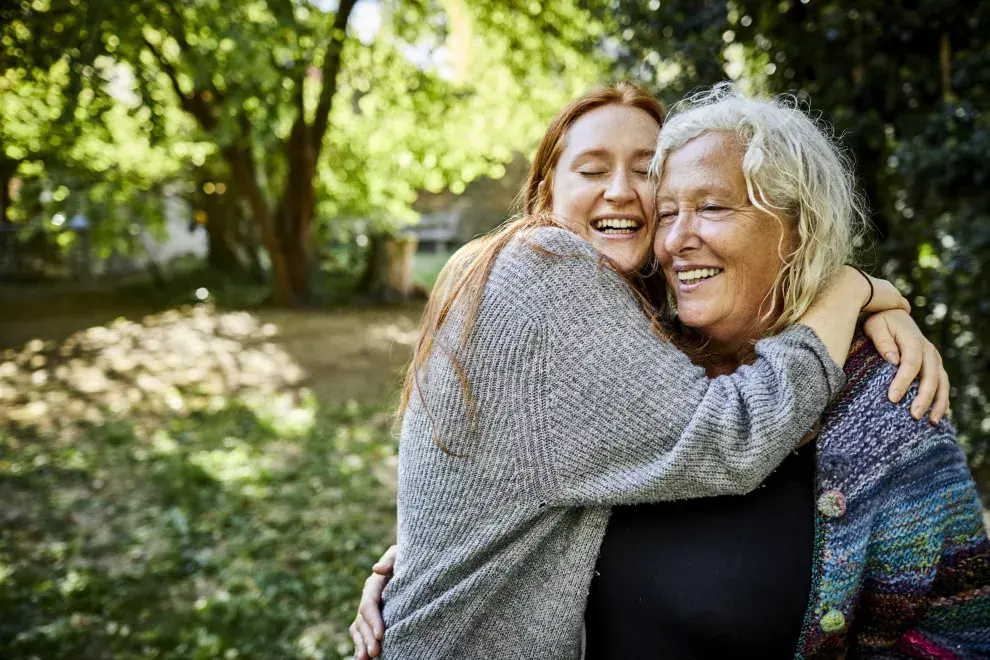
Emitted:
pixel 833 621
pixel 832 503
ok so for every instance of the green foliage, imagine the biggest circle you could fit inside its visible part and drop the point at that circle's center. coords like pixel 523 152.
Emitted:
pixel 438 95
pixel 222 538
pixel 404 129
pixel 77 151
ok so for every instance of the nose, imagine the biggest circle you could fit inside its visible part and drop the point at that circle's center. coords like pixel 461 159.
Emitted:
pixel 619 190
pixel 680 235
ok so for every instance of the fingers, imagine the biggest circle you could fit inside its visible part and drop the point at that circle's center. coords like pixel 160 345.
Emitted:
pixel 877 328
pixel 386 564
pixel 930 368
pixel 368 640
pixel 900 341
pixel 369 628
pixel 941 407
pixel 370 607
pixel 360 649
pixel 912 349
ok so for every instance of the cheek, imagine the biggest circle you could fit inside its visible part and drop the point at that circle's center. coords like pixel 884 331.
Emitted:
pixel 660 246
pixel 558 195
pixel 571 193
pixel 648 195
pixel 755 262
pixel 573 202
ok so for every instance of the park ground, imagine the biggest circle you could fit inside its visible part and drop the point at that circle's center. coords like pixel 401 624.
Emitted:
pixel 192 482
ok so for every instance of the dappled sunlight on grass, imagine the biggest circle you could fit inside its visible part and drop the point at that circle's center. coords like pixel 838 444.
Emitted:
pixel 391 332
pixel 179 361
pixel 174 489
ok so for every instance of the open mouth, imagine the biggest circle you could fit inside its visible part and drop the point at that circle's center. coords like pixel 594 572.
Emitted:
pixel 697 275
pixel 616 226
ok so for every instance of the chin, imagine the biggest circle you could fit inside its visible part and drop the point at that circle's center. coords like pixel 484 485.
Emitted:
pixel 687 323
pixel 627 266
pixel 697 321
pixel 629 263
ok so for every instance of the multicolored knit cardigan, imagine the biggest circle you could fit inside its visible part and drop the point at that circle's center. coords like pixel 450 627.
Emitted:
pixel 902 560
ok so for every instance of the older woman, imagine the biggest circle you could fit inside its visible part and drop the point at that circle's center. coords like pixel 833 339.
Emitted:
pixel 868 540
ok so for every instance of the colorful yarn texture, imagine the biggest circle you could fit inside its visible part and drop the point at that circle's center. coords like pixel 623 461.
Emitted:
pixel 902 559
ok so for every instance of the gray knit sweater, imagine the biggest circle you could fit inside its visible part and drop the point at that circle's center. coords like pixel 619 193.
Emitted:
pixel 580 407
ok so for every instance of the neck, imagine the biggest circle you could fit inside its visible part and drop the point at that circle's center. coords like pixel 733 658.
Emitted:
pixel 721 356
pixel 720 359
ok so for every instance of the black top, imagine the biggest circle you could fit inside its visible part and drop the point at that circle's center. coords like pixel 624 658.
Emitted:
pixel 717 577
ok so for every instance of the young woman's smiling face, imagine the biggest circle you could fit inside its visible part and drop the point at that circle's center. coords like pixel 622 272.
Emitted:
pixel 720 254
pixel 601 190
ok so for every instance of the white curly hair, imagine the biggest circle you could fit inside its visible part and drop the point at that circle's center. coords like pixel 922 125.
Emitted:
pixel 795 171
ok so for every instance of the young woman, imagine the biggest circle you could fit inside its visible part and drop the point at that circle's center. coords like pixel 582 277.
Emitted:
pixel 541 394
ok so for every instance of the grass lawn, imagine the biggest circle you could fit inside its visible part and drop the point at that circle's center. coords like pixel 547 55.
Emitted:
pixel 189 487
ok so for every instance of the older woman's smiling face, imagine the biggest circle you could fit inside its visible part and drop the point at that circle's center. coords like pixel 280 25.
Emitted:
pixel 719 253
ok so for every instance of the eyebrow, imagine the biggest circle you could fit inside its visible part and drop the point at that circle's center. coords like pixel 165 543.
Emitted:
pixel 604 153
pixel 700 192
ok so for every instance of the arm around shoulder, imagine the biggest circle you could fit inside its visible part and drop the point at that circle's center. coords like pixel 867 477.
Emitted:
pixel 631 419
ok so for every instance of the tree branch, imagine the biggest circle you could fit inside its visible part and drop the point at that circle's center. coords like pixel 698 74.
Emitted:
pixel 195 104
pixel 331 69
pixel 169 71
pixel 945 62
pixel 178 32
pixel 244 173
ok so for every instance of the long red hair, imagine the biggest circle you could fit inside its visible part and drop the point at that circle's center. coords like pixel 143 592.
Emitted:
pixel 466 273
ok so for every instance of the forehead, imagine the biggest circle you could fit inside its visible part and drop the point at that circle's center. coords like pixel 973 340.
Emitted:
pixel 612 128
pixel 709 160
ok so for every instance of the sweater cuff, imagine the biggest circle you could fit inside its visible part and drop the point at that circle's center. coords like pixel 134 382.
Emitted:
pixel 802 337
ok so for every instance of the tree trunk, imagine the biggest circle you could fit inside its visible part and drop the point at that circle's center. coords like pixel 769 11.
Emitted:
pixel 232 248
pixel 222 253
pixel 7 169
pixel 294 216
pixel 292 229
pixel 388 272
pixel 292 220
pixel 245 176
pixel 284 231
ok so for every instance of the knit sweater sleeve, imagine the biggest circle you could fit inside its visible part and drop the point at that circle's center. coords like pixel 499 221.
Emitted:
pixel 633 420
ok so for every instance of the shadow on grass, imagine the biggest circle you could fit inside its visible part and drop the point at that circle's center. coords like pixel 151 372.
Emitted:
pixel 158 504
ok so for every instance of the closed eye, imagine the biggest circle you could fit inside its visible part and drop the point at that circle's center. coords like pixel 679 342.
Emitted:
pixel 592 174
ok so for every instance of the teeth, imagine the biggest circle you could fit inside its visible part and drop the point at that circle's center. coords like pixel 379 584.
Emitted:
pixel 615 223
pixel 697 274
